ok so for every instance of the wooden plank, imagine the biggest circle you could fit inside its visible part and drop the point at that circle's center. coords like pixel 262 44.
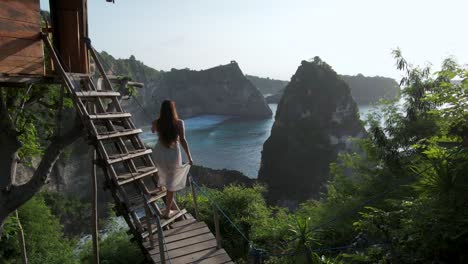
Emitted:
pixel 17 29
pixel 128 177
pixel 24 10
pixel 70 26
pixel 219 259
pixel 166 222
pixel 122 157
pixel 183 223
pixel 122 133
pixel 189 241
pixel 20 47
pixel 188 234
pixel 109 115
pixel 183 229
pixel 196 256
pixel 22 65
pixel 179 252
pixel 156 196
pixel 21 80
pixel 97 94
pixel 185 242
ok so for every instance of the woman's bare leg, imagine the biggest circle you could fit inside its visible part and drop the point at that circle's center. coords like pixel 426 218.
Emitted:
pixel 174 205
pixel 169 202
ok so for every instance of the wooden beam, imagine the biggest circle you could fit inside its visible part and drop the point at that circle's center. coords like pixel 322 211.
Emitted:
pixel 95 233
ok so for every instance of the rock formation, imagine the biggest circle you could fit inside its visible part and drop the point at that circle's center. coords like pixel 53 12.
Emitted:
pixel 221 90
pixel 315 118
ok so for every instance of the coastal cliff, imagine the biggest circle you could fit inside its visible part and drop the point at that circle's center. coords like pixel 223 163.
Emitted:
pixel 222 90
pixel 313 123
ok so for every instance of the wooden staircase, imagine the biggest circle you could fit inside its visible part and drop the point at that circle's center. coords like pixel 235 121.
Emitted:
pixel 131 175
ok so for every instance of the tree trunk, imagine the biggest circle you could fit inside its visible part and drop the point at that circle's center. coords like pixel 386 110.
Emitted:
pixel 17 195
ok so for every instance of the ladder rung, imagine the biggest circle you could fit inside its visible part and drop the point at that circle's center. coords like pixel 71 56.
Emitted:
pixel 97 94
pixel 158 195
pixel 164 223
pixel 129 177
pixel 122 133
pixel 132 154
pixel 137 201
pixel 78 76
pixel 109 115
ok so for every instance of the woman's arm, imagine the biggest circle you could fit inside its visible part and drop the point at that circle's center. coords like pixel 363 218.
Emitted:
pixel 183 141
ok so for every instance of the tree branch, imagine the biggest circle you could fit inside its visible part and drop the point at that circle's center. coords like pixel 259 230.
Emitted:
pixel 18 195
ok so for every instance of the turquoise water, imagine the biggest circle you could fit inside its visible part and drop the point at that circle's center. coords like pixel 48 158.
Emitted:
pixel 227 142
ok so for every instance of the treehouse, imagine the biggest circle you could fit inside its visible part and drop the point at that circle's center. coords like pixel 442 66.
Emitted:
pixel 28 56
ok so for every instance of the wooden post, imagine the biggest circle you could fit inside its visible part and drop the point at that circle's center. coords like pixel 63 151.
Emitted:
pixel 94 233
pixel 216 222
pixel 194 197
pixel 21 240
pixel 148 224
pixel 160 240
pixel 107 82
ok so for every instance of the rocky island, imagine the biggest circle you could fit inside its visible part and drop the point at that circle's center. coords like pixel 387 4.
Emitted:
pixel 313 123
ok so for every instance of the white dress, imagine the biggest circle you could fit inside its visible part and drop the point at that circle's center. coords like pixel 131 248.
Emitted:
pixel 172 173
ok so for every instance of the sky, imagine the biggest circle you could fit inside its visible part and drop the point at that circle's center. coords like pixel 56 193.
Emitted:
pixel 269 38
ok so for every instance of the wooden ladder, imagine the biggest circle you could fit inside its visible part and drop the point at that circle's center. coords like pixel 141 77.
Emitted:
pixel 131 174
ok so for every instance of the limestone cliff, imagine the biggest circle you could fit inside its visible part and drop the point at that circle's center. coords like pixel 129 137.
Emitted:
pixel 221 90
pixel 313 123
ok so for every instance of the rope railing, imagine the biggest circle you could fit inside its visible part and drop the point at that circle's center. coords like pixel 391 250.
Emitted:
pixel 258 252
pixel 254 250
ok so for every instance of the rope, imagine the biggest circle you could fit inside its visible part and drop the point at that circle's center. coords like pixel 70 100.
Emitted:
pixel 220 210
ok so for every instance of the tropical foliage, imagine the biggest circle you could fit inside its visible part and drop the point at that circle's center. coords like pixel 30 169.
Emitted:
pixel 401 199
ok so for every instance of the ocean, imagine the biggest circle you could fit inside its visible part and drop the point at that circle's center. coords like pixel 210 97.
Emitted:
pixel 228 142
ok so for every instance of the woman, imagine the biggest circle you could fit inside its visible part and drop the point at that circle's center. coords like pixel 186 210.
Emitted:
pixel 167 156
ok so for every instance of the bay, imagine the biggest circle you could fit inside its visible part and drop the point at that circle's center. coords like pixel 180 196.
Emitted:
pixel 228 142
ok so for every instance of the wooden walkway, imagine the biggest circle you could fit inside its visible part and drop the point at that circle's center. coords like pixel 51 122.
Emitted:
pixel 131 175
pixel 189 241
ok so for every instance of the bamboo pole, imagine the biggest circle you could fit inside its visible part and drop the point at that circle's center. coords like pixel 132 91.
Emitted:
pixel 21 240
pixel 162 253
pixel 217 232
pixel 148 224
pixel 194 197
pixel 95 233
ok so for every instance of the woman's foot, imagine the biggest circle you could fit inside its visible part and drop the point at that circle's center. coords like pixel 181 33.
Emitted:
pixel 169 213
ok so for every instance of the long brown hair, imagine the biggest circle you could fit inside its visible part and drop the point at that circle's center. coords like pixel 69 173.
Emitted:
pixel 166 124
